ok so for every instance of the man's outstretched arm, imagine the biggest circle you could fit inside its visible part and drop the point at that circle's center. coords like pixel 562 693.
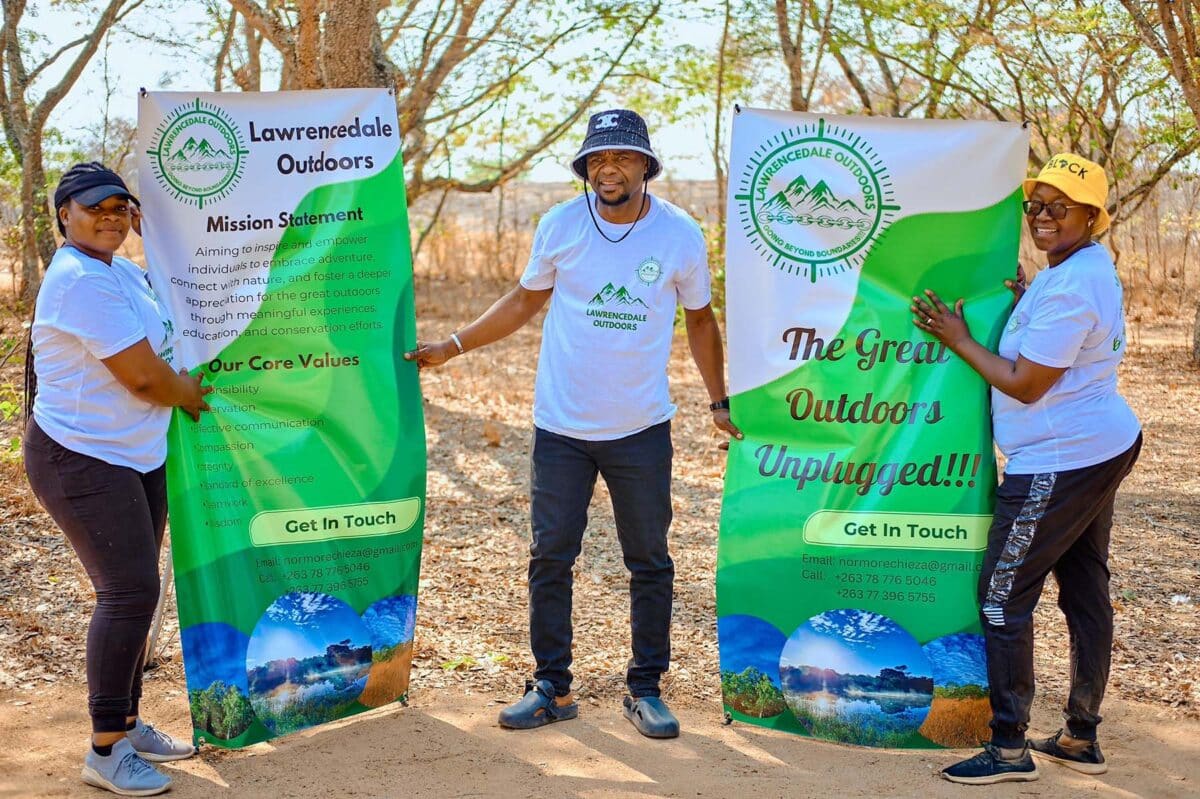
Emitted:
pixel 507 315
pixel 704 339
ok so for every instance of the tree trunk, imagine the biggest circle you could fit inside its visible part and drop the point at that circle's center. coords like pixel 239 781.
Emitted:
pixel 718 152
pixel 307 69
pixel 30 271
pixel 250 77
pixel 38 244
pixel 352 48
pixel 1196 338
pixel 44 224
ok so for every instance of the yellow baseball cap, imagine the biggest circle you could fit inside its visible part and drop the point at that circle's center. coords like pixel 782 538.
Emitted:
pixel 1082 180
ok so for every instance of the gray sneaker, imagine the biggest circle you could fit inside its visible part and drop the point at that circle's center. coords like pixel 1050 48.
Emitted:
pixel 123 772
pixel 156 745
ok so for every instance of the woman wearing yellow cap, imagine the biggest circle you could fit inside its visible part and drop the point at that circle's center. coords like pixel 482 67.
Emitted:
pixel 1069 439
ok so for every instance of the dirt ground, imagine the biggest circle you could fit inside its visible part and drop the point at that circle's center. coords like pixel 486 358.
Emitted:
pixel 471 652
pixel 446 744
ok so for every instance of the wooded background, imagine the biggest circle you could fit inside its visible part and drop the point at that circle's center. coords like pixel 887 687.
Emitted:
pixel 486 88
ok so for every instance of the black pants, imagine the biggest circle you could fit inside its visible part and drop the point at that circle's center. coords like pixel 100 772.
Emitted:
pixel 637 470
pixel 114 517
pixel 1056 522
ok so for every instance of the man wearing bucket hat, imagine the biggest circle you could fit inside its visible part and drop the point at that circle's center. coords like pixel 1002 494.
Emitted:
pixel 614 269
pixel 1069 439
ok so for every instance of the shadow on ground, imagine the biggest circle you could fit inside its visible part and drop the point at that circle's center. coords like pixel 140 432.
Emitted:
pixel 447 745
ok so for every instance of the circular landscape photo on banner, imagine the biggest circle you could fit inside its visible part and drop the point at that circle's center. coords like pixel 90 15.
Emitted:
pixel 307 661
pixel 961 711
pixel 857 677
pixel 214 656
pixel 750 650
pixel 390 621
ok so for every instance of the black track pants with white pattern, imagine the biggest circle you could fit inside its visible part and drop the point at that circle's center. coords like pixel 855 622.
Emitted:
pixel 1054 522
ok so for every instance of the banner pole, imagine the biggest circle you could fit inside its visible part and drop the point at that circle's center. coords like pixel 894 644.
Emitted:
pixel 156 624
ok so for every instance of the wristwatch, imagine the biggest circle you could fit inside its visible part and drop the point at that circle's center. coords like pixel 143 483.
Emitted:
pixel 719 405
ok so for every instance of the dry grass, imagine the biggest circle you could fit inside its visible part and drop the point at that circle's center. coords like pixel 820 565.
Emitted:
pixel 462 254
pixel 388 679
pixel 958 723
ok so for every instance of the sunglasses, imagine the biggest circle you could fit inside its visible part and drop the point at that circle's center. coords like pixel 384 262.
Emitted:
pixel 1056 209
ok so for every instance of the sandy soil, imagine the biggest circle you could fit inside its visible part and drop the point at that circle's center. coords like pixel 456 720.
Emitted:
pixel 447 744
pixel 471 653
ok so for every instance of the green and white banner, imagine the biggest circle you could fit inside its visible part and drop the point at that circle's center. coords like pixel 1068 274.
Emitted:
pixel 276 230
pixel 856 508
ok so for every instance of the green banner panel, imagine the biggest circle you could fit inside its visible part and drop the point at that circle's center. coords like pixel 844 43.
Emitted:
pixel 856 509
pixel 276 229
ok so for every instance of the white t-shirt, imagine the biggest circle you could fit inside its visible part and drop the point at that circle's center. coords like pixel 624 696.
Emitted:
pixel 602 372
pixel 1071 316
pixel 88 311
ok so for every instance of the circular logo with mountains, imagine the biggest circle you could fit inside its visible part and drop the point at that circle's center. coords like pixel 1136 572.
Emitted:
pixel 649 271
pixel 197 153
pixel 813 198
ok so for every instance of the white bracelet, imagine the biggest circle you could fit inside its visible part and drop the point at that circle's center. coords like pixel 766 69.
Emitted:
pixel 458 343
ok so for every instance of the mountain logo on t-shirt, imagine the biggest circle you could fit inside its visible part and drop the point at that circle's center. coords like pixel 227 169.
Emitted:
pixel 614 308
pixel 611 295
pixel 649 271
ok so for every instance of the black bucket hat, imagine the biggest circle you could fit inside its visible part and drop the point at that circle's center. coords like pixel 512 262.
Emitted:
pixel 618 129
pixel 89 183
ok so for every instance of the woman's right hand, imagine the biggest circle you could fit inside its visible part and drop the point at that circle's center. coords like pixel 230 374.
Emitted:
pixel 151 379
pixel 194 392
pixel 948 325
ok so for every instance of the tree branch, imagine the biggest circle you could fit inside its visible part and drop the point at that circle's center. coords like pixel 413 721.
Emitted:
pixel 112 13
pixel 519 163
pixel 275 33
